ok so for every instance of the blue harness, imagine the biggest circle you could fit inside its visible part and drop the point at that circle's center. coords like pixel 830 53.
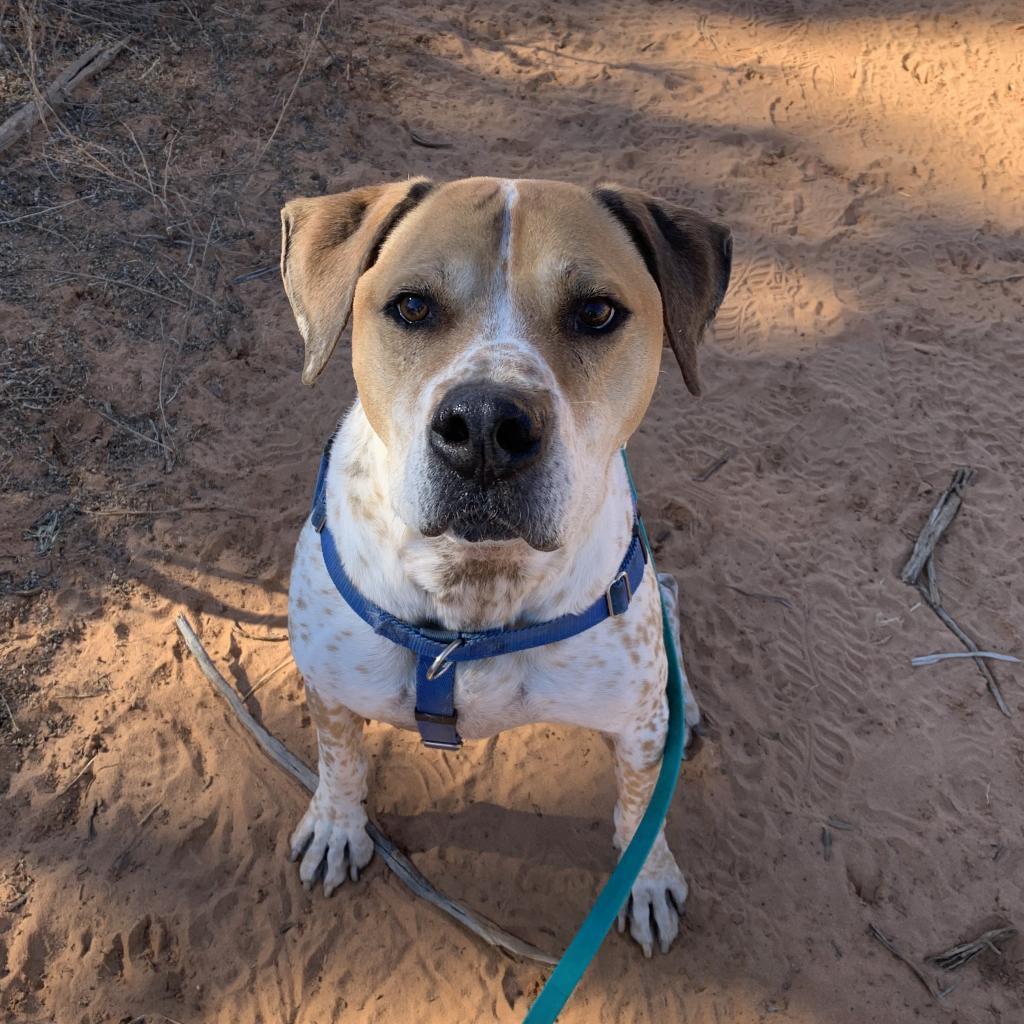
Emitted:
pixel 438 651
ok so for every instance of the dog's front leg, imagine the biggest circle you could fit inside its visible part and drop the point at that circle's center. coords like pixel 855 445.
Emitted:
pixel 333 829
pixel 659 892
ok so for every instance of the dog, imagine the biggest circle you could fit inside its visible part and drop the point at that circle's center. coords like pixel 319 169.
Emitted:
pixel 506 342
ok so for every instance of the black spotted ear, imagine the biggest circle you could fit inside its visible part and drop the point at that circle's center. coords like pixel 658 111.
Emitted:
pixel 327 243
pixel 690 259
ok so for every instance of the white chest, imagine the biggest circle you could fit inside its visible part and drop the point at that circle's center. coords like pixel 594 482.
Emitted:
pixel 589 680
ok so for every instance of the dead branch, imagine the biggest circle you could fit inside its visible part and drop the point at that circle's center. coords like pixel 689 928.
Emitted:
pixel 298 81
pixel 762 597
pixel 713 467
pixel 955 958
pixel 397 861
pixel 167 511
pixel 1001 280
pixel 255 636
pixel 426 143
pixel 884 939
pixel 954 627
pixel 941 516
pixel 25 118
pixel 922 560
pixel 267 676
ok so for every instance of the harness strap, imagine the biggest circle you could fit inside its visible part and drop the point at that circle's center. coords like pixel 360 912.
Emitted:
pixel 438 651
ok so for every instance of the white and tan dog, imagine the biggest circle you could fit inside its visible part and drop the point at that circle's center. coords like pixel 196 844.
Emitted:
pixel 506 341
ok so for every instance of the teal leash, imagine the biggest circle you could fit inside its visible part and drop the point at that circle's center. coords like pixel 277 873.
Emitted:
pixel 587 941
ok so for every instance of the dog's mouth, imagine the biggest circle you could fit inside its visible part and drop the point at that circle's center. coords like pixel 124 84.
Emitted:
pixel 502 512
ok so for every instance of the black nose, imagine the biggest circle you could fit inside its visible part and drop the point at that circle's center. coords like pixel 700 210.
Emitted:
pixel 487 433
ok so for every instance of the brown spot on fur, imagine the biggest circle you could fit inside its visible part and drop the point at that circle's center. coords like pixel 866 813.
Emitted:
pixel 356 469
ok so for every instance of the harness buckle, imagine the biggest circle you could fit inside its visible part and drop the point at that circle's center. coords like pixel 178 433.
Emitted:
pixel 609 597
pixel 441 664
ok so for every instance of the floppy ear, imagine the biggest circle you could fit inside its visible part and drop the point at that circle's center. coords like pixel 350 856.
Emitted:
pixel 689 257
pixel 326 244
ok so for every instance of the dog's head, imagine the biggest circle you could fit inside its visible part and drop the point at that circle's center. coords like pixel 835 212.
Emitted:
pixel 506 335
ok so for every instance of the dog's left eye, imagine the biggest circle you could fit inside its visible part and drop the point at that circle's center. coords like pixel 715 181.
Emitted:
pixel 412 308
pixel 595 314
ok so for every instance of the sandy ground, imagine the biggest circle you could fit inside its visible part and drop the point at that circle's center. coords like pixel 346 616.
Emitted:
pixel 870 159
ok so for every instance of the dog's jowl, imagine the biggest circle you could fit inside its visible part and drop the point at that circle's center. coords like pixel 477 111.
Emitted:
pixel 506 341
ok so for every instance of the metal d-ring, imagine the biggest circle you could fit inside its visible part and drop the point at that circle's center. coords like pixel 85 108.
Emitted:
pixel 440 664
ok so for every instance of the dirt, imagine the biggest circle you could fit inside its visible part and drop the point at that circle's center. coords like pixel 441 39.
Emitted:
pixel 157 452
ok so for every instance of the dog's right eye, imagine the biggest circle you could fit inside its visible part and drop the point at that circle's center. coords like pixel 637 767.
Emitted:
pixel 412 308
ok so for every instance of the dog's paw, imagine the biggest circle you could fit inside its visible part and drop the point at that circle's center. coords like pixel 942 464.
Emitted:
pixel 692 731
pixel 338 843
pixel 653 909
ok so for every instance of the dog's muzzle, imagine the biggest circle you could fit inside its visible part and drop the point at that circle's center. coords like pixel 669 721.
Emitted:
pixel 487 447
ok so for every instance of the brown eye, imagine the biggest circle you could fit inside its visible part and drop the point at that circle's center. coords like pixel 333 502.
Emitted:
pixel 596 314
pixel 413 309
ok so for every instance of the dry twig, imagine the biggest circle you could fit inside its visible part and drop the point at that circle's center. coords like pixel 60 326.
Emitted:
pixel 955 958
pixel 397 861
pixel 712 468
pixel 166 511
pixel 1001 280
pixel 762 597
pixel 934 659
pixel 254 274
pixel 922 560
pixel 941 516
pixel 57 94
pixel 426 143
pixel 298 80
pixel 10 713
pixel 242 631
pixel 149 814
pixel 267 676
pixel 954 627
pixel 85 768
pixel 884 939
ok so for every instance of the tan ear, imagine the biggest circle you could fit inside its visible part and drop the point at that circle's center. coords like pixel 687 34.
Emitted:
pixel 689 257
pixel 326 244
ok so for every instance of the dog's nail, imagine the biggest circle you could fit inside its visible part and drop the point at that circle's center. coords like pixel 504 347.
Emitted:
pixel 648 950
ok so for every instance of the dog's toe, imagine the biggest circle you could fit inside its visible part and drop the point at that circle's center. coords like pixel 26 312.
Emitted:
pixel 331 848
pixel 653 911
pixel 347 852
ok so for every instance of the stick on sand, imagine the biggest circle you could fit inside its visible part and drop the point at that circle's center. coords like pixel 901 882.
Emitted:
pixel 955 958
pixel 941 516
pixel 399 863
pixel 922 561
pixel 25 118
pixel 884 939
